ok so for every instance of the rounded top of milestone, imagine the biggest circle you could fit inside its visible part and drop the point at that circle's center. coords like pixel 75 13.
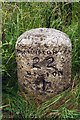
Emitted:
pixel 44 36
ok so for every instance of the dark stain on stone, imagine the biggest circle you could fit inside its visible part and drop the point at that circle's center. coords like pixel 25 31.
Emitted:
pixel 47 74
pixel 45 46
pixel 41 38
pixel 35 42
pixel 41 30
pixel 29 73
pixel 19 51
pixel 22 66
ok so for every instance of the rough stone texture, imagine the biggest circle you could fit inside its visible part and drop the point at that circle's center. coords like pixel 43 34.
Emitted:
pixel 43 62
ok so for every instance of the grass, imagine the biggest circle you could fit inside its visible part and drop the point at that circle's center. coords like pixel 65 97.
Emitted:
pixel 19 17
pixel 64 105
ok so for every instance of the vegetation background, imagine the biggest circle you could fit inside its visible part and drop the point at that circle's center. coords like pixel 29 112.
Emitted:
pixel 16 19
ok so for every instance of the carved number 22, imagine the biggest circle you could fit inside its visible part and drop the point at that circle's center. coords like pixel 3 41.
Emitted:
pixel 49 62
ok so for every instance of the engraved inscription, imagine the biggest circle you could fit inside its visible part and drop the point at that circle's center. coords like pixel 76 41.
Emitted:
pixel 49 63
pixel 35 62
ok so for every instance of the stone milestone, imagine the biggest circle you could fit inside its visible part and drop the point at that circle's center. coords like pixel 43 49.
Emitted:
pixel 43 62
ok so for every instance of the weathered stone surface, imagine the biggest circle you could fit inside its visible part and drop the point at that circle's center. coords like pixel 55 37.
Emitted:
pixel 43 62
